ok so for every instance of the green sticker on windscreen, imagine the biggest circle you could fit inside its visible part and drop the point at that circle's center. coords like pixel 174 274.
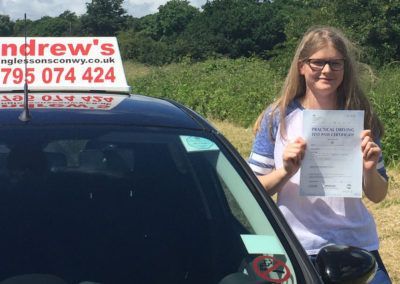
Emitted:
pixel 262 244
pixel 194 143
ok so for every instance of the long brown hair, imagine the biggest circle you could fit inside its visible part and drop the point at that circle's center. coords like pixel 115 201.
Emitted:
pixel 350 95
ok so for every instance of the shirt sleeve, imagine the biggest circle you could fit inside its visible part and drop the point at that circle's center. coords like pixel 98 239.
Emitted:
pixel 261 159
pixel 381 166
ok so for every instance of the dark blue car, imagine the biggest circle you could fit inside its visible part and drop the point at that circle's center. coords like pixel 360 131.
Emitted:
pixel 116 188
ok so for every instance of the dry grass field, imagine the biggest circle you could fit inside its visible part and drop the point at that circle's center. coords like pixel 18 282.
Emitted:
pixel 386 213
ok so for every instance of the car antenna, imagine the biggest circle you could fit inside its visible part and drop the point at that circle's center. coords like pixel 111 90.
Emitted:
pixel 25 115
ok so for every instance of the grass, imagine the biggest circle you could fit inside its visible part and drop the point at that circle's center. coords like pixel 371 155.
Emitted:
pixel 388 223
pixel 385 213
pixel 240 137
pixel 136 70
pixel 234 90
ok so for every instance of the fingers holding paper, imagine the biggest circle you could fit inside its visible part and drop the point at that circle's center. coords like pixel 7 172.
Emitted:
pixel 370 150
pixel 293 155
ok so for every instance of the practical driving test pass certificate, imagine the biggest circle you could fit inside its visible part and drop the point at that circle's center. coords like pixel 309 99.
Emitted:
pixel 332 165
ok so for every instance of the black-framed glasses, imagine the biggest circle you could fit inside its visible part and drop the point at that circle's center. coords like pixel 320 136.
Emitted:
pixel 319 64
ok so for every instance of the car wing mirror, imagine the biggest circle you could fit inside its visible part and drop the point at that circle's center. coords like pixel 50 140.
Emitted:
pixel 345 264
pixel 335 264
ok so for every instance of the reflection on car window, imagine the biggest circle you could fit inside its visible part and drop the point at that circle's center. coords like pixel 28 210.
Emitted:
pixel 130 206
pixel 236 211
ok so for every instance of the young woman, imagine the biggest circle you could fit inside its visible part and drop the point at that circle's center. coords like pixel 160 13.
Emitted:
pixel 323 75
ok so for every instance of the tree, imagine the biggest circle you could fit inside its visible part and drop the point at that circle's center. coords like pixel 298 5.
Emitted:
pixel 104 17
pixel 20 26
pixel 147 26
pixel 142 48
pixel 66 24
pixel 296 17
pixel 173 17
pixel 237 28
pixel 74 23
pixel 6 26
pixel 374 25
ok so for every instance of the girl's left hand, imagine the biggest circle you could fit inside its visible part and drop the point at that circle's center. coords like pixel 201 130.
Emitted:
pixel 370 151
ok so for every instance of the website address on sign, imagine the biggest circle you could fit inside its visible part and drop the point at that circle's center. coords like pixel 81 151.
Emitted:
pixel 80 61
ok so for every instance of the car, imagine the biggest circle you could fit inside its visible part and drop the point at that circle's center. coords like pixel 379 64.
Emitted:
pixel 103 186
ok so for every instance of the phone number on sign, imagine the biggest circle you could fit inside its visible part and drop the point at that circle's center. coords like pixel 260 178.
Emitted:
pixel 56 75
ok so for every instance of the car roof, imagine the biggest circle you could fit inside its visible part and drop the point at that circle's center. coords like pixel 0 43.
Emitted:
pixel 135 110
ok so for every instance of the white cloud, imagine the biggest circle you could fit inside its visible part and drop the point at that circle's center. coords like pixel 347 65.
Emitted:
pixel 35 9
pixel 138 8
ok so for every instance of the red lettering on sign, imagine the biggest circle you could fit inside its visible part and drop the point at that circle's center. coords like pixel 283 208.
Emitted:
pixel 28 49
pixel 47 75
pixel 56 105
pixel 79 48
pixel 18 75
pixel 58 72
pixel 110 75
pixel 87 76
pixel 30 75
pixel 77 105
pixel 69 98
pixel 107 49
pixel 17 98
pixel 42 47
pixel 70 76
pixel 99 76
pixel 58 49
pixel 7 72
pixel 32 48
pixel 5 47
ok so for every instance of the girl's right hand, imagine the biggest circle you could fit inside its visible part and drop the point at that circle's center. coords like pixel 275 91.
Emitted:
pixel 293 154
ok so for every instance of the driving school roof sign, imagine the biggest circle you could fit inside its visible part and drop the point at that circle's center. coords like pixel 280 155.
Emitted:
pixel 61 63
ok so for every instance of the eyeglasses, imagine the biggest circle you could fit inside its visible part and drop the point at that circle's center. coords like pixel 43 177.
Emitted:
pixel 319 64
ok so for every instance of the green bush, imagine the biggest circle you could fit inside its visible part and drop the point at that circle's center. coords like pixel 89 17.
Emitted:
pixel 233 90
pixel 137 46
pixel 385 96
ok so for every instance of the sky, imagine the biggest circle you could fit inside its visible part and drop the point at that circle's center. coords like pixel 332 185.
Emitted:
pixel 35 9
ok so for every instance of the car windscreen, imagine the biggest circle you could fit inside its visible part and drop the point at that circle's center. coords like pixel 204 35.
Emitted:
pixel 130 205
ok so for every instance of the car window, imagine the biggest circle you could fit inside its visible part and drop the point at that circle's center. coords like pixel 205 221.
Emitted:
pixel 130 205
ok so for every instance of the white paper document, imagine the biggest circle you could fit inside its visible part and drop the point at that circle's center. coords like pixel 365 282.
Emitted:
pixel 332 165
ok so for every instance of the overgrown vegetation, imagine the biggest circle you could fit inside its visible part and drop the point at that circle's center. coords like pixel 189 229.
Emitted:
pixel 237 90
pixel 385 95
pixel 234 90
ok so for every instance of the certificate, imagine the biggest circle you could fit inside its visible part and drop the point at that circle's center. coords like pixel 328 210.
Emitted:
pixel 332 164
